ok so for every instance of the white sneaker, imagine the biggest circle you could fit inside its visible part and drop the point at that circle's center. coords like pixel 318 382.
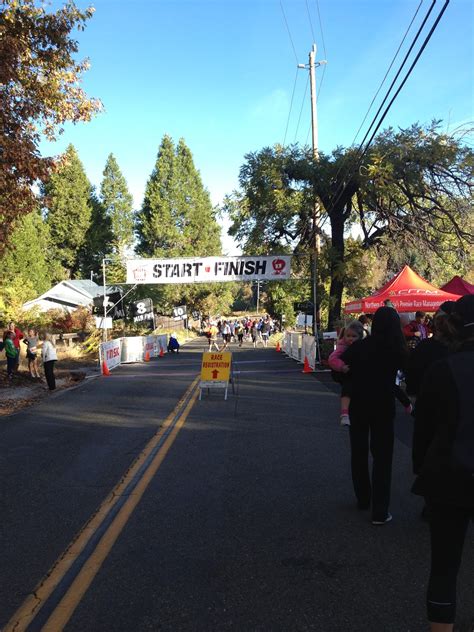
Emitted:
pixel 380 522
pixel 345 421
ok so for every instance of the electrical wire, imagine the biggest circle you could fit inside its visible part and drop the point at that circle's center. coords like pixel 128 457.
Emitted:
pixel 302 105
pixel 291 107
pixel 388 70
pixel 362 153
pixel 288 29
pixel 310 22
pixel 344 161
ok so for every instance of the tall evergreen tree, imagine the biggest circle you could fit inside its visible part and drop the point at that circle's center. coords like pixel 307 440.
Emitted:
pixel 97 242
pixel 155 228
pixel 118 204
pixel 177 220
pixel 67 199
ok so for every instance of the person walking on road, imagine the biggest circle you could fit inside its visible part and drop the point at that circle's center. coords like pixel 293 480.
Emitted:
pixel 213 333
pixel 374 363
pixel 443 460
pixel 49 357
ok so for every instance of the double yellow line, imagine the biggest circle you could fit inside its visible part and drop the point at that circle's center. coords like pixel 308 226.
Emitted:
pixel 61 590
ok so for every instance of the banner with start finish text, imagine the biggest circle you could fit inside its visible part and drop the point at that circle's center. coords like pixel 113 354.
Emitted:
pixel 208 269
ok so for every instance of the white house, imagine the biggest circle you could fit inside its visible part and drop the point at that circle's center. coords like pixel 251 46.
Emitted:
pixel 67 295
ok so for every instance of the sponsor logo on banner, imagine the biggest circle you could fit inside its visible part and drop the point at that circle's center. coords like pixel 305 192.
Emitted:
pixel 208 269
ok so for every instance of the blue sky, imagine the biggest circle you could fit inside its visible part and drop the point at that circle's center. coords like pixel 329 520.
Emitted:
pixel 220 74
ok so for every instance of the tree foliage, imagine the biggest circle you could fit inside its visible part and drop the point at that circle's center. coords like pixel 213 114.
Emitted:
pixel 39 92
pixel 413 187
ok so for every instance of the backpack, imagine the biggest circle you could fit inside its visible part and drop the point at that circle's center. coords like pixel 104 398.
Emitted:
pixel 461 366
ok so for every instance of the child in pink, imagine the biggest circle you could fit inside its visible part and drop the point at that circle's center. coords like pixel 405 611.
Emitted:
pixel 352 332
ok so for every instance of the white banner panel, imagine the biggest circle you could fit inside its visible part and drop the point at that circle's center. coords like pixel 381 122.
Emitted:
pixel 208 269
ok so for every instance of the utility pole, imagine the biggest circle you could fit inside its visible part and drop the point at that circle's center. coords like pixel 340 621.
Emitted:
pixel 312 65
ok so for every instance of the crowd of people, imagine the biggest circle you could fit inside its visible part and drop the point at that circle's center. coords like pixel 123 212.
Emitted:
pixel 246 329
pixel 434 358
pixel 11 343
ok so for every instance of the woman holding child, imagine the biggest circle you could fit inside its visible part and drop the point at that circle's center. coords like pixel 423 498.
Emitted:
pixel 374 362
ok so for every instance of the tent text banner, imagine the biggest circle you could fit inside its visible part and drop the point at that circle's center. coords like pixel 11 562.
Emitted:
pixel 208 269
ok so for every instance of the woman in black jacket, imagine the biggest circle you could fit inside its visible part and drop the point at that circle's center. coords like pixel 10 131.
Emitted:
pixel 443 459
pixel 374 363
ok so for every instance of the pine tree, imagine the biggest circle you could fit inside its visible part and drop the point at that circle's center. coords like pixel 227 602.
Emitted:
pixel 97 242
pixel 156 232
pixel 67 199
pixel 177 220
pixel 195 217
pixel 118 204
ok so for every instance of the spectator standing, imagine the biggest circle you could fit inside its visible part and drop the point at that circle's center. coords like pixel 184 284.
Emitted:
pixel 443 460
pixel 17 336
pixel 374 363
pixel 10 352
pixel 31 342
pixel 49 357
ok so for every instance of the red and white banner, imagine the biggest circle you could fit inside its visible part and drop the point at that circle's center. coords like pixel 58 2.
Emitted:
pixel 111 353
pixel 208 269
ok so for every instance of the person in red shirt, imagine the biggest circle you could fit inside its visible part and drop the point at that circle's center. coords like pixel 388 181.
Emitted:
pixel 17 336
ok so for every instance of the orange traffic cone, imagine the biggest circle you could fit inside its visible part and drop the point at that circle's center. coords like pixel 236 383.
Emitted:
pixel 278 348
pixel 147 356
pixel 162 353
pixel 105 368
pixel 306 367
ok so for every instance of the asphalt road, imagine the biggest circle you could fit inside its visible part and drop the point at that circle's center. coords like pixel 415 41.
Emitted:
pixel 247 524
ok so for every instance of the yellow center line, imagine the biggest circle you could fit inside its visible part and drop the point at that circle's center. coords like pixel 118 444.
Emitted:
pixel 26 613
pixel 70 601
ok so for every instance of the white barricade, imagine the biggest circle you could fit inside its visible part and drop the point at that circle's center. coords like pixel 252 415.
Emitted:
pixel 287 343
pixel 308 350
pixel 161 342
pixel 110 352
pixel 134 348
pixel 295 346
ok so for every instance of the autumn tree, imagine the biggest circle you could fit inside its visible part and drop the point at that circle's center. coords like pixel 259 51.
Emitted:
pixel 67 198
pixel 39 92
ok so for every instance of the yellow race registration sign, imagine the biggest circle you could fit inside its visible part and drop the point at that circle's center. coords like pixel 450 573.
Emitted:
pixel 215 370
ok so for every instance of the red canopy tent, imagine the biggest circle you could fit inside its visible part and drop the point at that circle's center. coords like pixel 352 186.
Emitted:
pixel 457 285
pixel 408 291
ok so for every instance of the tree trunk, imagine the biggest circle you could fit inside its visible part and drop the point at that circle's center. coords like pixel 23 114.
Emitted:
pixel 336 267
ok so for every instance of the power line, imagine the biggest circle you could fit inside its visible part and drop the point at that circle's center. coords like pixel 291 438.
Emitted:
pixel 344 161
pixel 310 22
pixel 302 105
pixel 361 154
pixel 389 69
pixel 321 29
pixel 291 107
pixel 288 29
